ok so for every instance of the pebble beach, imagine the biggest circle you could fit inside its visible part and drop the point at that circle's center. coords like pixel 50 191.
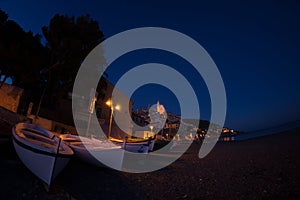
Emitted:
pixel 260 168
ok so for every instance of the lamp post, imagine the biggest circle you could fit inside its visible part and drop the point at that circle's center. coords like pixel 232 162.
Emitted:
pixel 151 127
pixel 43 72
pixel 117 107
pixel 93 99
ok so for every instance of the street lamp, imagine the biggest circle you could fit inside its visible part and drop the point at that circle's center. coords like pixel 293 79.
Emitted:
pixel 117 107
pixel 151 127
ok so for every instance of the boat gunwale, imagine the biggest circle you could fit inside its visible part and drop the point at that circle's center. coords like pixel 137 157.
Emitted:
pixel 39 151
pixel 66 151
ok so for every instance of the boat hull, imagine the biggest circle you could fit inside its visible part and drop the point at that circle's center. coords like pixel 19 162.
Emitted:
pixel 93 151
pixel 44 163
pixel 49 166
pixel 137 147
pixel 114 157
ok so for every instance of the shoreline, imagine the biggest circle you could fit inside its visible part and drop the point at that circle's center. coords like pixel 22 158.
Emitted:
pixel 258 168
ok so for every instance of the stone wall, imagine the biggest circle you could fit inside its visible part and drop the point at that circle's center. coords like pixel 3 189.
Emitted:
pixel 52 125
pixel 10 97
pixel 10 117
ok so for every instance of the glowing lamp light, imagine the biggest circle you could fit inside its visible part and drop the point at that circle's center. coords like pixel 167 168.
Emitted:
pixel 117 107
pixel 108 103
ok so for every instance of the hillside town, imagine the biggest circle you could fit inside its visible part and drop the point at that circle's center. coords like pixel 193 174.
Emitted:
pixel 59 118
pixel 141 117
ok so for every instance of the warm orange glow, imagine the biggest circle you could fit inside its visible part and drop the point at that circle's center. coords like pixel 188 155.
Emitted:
pixel 108 102
pixel 117 107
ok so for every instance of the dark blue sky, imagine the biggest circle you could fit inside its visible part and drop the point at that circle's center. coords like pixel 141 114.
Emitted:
pixel 254 44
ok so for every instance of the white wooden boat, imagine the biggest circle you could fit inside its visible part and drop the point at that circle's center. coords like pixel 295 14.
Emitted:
pixel 136 145
pixel 92 150
pixel 44 154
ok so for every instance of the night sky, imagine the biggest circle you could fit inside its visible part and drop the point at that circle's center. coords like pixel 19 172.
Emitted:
pixel 254 44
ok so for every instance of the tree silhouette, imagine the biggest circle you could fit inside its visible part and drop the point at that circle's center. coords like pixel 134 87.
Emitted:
pixel 69 41
pixel 21 54
pixel 35 67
